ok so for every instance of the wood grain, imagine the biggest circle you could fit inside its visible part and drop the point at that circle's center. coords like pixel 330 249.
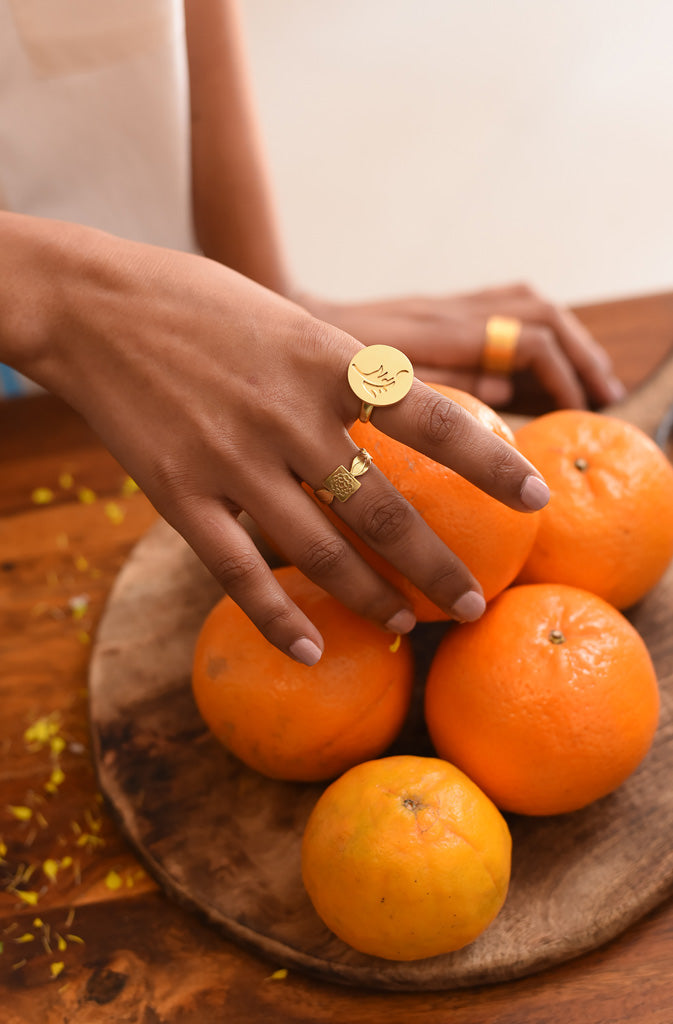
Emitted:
pixel 225 841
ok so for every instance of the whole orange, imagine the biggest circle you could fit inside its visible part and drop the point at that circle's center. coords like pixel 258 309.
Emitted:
pixel 548 702
pixel 608 526
pixel 490 538
pixel 405 858
pixel 289 721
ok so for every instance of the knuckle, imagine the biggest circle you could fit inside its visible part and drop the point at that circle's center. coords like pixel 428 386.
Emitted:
pixel 317 336
pixel 235 570
pixel 274 619
pixel 545 339
pixel 323 556
pixel 504 462
pixel 452 577
pixel 168 477
pixel 523 290
pixel 386 520
pixel 440 420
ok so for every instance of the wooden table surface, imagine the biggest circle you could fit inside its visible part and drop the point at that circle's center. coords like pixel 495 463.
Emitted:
pixel 85 935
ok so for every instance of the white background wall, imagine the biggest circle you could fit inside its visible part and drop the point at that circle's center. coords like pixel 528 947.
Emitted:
pixel 441 145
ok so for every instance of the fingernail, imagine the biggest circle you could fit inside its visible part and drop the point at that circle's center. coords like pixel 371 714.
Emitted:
pixel 615 389
pixel 401 622
pixel 469 607
pixel 305 651
pixel 534 493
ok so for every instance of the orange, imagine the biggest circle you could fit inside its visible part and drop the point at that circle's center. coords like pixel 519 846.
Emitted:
pixel 490 538
pixel 289 721
pixel 405 858
pixel 608 526
pixel 548 702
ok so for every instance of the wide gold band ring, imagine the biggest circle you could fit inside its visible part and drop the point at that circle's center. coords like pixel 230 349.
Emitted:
pixel 500 343
pixel 342 482
pixel 379 375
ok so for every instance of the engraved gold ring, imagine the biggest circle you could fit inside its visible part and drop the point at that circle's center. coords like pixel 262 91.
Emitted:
pixel 500 343
pixel 379 375
pixel 342 482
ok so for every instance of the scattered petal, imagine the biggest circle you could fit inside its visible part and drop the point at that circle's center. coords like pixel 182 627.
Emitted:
pixel 42 496
pixel 26 937
pixel 129 487
pixel 81 563
pixel 279 975
pixel 50 868
pixel 55 968
pixel 114 512
pixel 57 776
pixel 20 813
pixel 113 880
pixel 57 745
pixel 27 895
pixel 42 730
pixel 395 645
pixel 65 481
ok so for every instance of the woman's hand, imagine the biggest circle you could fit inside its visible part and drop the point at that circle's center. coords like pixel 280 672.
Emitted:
pixel 219 396
pixel 444 338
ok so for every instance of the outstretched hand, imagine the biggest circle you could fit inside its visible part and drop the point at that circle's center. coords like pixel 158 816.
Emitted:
pixel 219 396
pixel 444 338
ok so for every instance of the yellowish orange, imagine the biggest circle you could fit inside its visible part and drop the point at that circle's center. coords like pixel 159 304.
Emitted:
pixel 405 858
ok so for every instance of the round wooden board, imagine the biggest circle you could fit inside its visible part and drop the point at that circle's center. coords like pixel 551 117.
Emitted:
pixel 225 841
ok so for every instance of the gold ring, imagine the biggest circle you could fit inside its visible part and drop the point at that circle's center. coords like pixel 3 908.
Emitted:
pixel 379 375
pixel 342 482
pixel 502 338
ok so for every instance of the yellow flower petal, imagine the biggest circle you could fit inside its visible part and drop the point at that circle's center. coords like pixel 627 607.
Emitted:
pixel 20 813
pixel 42 496
pixel 113 880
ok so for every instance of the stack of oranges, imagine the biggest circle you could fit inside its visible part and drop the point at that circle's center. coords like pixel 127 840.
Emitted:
pixel 547 703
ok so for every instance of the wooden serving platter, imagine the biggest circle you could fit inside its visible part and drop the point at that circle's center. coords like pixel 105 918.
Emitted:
pixel 225 841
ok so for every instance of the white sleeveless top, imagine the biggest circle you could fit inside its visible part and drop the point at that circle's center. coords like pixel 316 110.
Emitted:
pixel 94 118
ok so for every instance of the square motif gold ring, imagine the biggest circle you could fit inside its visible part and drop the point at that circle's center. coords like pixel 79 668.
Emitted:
pixel 342 482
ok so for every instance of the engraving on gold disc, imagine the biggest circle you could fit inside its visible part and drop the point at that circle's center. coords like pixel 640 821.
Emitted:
pixel 380 375
pixel 341 483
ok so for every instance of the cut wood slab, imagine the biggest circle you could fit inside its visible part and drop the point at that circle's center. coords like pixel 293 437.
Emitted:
pixel 225 841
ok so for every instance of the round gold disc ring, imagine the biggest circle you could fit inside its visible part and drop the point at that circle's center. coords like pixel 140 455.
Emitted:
pixel 379 375
pixel 501 339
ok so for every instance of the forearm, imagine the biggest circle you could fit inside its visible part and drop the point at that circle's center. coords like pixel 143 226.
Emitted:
pixel 62 287
pixel 37 260
pixel 233 208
